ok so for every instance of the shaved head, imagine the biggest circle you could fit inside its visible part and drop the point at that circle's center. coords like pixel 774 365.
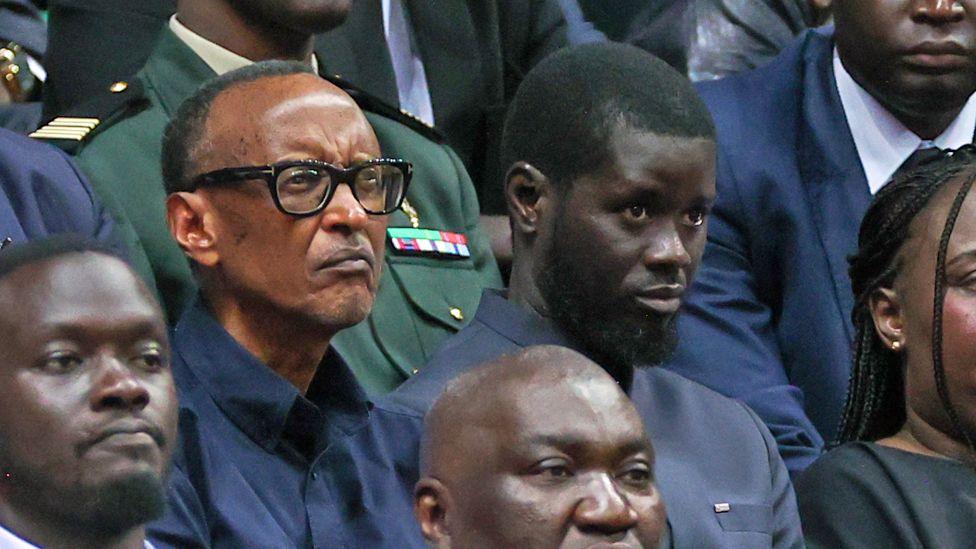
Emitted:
pixel 537 449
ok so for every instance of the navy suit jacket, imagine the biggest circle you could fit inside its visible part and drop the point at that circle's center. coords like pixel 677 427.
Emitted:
pixel 709 449
pixel 42 193
pixel 768 318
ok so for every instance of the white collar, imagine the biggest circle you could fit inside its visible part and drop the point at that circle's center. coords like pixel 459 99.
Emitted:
pixel 217 57
pixel 9 540
pixel 883 143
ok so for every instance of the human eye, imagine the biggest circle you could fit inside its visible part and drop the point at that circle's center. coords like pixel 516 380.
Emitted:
pixel 695 217
pixel 150 358
pixel 298 180
pixel 636 212
pixel 61 362
pixel 637 474
pixel 553 470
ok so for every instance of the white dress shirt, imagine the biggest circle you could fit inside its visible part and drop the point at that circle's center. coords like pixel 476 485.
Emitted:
pixel 883 142
pixel 408 67
pixel 217 57
pixel 10 541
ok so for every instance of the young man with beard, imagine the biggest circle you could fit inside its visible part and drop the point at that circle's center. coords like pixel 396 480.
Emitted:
pixel 438 259
pixel 88 414
pixel 612 179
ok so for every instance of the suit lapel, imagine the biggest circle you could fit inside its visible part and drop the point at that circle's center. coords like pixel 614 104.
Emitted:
pixel 836 187
pixel 357 51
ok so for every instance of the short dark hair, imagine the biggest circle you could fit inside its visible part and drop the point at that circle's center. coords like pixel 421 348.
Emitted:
pixel 565 109
pixel 875 406
pixel 35 251
pixel 184 133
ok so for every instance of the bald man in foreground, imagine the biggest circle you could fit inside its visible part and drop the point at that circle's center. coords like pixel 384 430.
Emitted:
pixel 540 449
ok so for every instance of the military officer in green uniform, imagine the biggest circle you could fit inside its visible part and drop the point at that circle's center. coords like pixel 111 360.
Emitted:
pixel 437 260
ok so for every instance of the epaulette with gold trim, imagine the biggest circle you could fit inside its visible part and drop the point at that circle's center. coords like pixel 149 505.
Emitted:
pixel 80 123
pixel 369 102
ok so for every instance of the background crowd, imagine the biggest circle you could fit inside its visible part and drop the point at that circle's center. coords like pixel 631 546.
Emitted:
pixel 380 273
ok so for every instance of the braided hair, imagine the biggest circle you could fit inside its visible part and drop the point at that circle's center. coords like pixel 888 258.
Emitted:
pixel 875 406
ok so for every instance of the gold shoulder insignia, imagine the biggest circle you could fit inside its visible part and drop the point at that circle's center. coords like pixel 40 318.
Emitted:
pixel 66 127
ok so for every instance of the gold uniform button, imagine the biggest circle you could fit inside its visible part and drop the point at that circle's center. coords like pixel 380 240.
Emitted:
pixel 415 371
pixel 118 87
pixel 457 314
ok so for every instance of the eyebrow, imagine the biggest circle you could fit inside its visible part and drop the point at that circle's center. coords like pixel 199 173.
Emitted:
pixel 968 255
pixel 572 440
pixel 86 327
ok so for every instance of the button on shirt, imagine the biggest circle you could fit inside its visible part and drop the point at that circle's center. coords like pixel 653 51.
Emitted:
pixel 883 143
pixel 261 465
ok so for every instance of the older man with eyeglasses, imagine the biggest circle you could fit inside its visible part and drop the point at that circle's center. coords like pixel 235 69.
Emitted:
pixel 279 194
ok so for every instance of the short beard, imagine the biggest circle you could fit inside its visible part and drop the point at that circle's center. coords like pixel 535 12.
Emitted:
pixel 575 303
pixel 105 511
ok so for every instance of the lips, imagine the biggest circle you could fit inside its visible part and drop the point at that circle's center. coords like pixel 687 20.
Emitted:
pixel 128 433
pixel 662 300
pixel 348 259
pixel 938 56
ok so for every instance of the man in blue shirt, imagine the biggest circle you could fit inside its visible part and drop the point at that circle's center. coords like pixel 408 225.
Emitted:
pixel 612 179
pixel 278 194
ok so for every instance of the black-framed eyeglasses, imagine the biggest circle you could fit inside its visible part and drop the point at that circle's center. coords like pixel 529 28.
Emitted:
pixel 305 187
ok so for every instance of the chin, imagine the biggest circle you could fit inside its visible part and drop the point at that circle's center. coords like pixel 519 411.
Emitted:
pixel 339 312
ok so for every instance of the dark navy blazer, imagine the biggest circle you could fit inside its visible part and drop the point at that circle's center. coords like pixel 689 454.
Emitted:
pixel 768 320
pixel 261 465
pixel 42 193
pixel 710 449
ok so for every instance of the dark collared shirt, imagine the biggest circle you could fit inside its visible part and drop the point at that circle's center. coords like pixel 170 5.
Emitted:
pixel 710 450
pixel 261 465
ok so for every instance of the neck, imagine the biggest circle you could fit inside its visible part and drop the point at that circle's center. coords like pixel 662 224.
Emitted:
pixel 292 347
pixel 253 39
pixel 66 536
pixel 920 437
pixel 522 287
pixel 524 292
pixel 927 126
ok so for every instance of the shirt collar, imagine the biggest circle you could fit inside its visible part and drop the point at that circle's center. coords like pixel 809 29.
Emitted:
pixel 217 57
pixel 256 399
pixel 883 143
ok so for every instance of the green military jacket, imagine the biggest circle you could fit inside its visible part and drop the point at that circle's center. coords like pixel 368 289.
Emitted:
pixel 423 297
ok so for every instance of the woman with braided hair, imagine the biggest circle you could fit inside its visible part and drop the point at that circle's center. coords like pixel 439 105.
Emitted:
pixel 903 474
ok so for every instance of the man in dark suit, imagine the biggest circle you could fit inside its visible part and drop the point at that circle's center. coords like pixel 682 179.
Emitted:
pixel 609 222
pixel 803 144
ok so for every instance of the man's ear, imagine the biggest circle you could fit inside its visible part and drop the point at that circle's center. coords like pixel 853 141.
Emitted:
pixel 527 191
pixel 886 311
pixel 431 504
pixel 191 224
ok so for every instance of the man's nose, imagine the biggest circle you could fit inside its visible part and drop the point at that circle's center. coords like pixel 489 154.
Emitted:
pixel 116 386
pixel 344 212
pixel 939 11
pixel 603 508
pixel 667 250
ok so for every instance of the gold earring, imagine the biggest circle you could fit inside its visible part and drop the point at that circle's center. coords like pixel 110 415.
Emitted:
pixel 896 346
